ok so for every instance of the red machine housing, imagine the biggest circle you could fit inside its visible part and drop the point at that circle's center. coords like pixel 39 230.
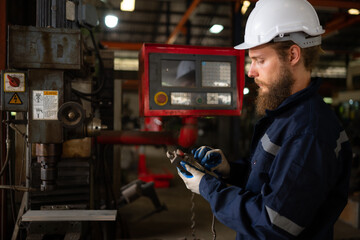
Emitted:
pixel 179 52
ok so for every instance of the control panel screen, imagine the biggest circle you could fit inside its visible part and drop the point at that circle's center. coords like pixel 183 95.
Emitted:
pixel 216 74
pixel 175 73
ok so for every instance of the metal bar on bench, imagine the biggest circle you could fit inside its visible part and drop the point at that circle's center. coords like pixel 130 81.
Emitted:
pixel 69 215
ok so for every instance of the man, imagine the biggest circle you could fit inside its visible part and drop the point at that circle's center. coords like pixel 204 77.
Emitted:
pixel 296 183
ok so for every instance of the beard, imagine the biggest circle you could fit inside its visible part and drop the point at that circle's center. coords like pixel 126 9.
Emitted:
pixel 277 92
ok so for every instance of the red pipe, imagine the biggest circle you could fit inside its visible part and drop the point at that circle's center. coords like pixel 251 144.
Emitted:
pixel 136 138
pixel 187 136
pixel 188 132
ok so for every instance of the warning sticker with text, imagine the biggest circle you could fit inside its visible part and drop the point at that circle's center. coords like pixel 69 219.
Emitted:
pixel 45 105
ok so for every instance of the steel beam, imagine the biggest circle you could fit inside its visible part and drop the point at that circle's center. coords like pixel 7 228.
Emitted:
pixel 186 16
pixel 340 22
pixel 318 3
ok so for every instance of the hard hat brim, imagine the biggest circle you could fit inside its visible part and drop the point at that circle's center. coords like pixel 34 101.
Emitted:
pixel 244 46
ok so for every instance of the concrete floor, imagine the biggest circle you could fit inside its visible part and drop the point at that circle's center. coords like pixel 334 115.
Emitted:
pixel 174 224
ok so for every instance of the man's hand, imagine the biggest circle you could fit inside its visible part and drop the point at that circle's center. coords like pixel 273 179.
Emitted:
pixel 192 180
pixel 213 160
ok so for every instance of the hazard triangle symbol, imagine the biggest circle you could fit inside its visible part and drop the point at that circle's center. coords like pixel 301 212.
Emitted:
pixel 15 99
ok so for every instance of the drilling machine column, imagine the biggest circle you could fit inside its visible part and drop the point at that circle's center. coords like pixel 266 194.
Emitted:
pixel 48 155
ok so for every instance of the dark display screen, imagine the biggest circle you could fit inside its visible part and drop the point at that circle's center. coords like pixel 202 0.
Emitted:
pixel 176 73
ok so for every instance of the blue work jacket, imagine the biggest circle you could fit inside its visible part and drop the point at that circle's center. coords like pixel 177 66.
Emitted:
pixel 298 178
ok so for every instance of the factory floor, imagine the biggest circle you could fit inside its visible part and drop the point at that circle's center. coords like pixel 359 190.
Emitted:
pixel 175 222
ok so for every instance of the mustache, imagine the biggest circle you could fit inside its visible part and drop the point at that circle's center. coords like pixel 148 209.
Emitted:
pixel 259 82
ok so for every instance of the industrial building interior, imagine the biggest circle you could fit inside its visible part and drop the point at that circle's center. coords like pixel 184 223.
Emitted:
pixel 83 149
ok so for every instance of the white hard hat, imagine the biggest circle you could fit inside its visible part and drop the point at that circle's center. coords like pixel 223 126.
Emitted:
pixel 282 20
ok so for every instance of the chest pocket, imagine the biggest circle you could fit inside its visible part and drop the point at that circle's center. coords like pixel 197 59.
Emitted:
pixel 261 163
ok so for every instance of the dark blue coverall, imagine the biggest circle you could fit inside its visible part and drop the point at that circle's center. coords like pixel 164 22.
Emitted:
pixel 296 182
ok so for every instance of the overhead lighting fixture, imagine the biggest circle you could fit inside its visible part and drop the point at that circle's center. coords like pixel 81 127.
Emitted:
pixel 127 5
pixel 245 7
pixel 216 28
pixel 111 21
pixel 354 11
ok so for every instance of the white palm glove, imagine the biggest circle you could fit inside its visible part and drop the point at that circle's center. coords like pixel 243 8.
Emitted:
pixel 213 160
pixel 192 180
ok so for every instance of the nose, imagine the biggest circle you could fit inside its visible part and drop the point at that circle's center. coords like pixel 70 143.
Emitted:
pixel 252 73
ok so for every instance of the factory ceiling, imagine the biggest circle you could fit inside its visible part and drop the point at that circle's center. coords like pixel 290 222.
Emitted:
pixel 187 22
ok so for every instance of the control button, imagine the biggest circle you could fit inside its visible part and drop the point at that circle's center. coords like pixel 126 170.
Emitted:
pixel 161 98
pixel 13 81
pixel 199 100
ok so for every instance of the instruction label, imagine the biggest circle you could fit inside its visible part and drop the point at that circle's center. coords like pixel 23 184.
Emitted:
pixel 45 105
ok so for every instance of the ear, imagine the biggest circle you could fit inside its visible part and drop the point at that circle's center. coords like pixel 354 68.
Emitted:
pixel 294 54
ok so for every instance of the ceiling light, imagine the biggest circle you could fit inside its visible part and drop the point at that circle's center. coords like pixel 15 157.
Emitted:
pixel 111 21
pixel 127 5
pixel 353 11
pixel 216 28
pixel 245 7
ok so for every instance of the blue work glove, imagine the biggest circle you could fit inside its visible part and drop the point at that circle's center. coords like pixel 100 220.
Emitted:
pixel 213 160
pixel 191 178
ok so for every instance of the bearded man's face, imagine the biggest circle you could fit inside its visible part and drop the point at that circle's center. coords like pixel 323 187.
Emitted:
pixel 272 75
pixel 277 92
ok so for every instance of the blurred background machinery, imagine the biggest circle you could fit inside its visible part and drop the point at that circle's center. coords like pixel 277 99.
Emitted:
pixel 78 102
pixel 51 79
pixel 57 108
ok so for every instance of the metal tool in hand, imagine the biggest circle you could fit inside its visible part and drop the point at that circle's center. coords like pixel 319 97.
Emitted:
pixel 177 156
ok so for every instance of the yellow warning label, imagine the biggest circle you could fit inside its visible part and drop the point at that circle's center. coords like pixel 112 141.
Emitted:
pixel 15 99
pixel 50 92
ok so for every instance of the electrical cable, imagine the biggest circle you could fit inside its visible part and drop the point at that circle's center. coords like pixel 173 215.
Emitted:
pixel 23 135
pixel 7 164
pixel 193 223
pixel 79 94
pixel 8 144
pixel 102 72
pixel 23 161
pixel 6 158
pixel 213 227
pixel 12 125
pixel 12 198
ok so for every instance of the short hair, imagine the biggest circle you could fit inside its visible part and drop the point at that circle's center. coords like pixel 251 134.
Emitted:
pixel 309 55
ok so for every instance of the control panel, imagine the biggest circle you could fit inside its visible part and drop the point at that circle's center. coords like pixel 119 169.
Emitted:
pixel 188 80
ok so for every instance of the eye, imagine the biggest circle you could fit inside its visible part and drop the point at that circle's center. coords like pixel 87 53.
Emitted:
pixel 260 61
